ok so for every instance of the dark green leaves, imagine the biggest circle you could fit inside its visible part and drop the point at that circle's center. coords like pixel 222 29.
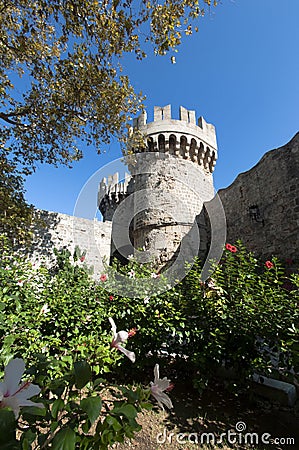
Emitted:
pixel 82 372
pixel 7 426
pixel 92 406
pixel 64 440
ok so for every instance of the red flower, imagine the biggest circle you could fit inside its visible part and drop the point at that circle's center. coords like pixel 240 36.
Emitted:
pixel 170 387
pixel 269 264
pixel 103 277
pixel 111 297
pixel 132 332
pixel 231 248
pixel 82 258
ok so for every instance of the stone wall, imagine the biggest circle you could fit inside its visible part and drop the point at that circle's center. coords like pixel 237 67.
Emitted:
pixel 172 193
pixel 59 231
pixel 262 204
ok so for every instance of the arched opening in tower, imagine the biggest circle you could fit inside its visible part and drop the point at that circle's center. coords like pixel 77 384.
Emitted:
pixel 161 142
pixel 172 144
pixel 183 145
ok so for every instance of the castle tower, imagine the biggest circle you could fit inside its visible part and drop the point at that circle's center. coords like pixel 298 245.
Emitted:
pixel 111 193
pixel 173 175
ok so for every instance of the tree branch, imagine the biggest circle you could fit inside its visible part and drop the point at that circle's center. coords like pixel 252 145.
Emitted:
pixel 7 119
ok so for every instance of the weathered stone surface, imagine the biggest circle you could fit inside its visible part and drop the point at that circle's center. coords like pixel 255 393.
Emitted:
pixel 171 180
pixel 155 207
pixel 275 390
pixel 63 231
pixel 261 205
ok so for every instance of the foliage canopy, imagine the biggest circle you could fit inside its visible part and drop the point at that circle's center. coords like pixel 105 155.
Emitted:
pixel 61 82
pixel 67 55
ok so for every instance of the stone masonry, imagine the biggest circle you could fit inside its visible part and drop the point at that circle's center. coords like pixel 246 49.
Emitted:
pixel 262 204
pixel 171 179
pixel 159 202
pixel 62 231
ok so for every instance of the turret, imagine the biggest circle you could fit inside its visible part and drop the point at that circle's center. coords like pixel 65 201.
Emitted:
pixel 183 138
pixel 171 178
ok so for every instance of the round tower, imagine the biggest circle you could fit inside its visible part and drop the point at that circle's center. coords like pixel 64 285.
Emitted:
pixel 172 179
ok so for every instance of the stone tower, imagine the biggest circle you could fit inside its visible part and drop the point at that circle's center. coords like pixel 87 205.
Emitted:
pixel 171 179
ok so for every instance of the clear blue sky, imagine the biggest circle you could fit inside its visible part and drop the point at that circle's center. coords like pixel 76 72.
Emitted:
pixel 240 71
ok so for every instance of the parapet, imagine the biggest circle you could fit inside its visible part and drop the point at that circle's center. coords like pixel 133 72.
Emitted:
pixel 111 193
pixel 184 137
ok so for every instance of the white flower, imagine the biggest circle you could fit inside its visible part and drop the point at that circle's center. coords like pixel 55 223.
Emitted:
pixel 45 309
pixel 14 395
pixel 154 275
pixel 120 337
pixel 157 388
pixel 146 300
pixel 131 274
pixel 20 282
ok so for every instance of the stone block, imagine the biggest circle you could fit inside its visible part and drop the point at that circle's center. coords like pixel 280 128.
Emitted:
pixel 275 390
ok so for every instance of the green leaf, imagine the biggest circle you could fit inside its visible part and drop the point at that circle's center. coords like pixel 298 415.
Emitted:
pixel 92 406
pixel 114 423
pixel 27 438
pixel 125 410
pixel 57 406
pixel 147 406
pixel 82 373
pixel 64 440
pixel 34 411
pixel 7 426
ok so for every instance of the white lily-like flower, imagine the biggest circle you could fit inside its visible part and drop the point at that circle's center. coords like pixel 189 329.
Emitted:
pixel 45 309
pixel 120 338
pixel 157 388
pixel 13 394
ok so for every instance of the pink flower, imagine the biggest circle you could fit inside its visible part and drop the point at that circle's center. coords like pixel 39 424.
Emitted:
pixel 45 309
pixel 120 338
pixel 111 298
pixel 132 332
pixel 155 275
pixel 158 386
pixel 269 264
pixel 103 277
pixel 170 387
pixel 12 394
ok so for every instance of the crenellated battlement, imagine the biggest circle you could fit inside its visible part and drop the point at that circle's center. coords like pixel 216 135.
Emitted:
pixel 111 193
pixel 183 138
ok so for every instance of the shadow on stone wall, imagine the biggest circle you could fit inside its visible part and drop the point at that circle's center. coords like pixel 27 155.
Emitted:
pixel 44 239
pixel 194 244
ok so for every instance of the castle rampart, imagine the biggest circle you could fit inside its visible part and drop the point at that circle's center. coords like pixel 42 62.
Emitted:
pixel 183 138
pixel 111 193
pixel 262 204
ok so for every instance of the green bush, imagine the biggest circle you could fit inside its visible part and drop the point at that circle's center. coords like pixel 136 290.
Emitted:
pixel 244 319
